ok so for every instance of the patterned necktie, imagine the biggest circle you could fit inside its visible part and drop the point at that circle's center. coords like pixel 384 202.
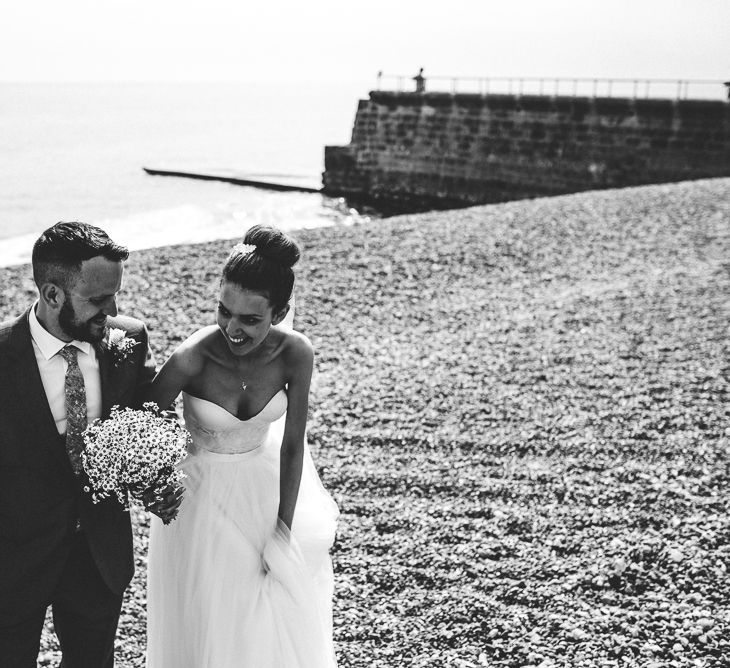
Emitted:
pixel 75 408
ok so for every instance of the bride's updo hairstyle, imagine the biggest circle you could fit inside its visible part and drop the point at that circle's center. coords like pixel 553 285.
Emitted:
pixel 263 263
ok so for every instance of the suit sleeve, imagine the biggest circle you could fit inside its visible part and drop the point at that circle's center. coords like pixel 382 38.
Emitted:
pixel 148 370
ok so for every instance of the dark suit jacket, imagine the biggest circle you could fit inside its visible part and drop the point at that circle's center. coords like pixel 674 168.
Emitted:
pixel 40 497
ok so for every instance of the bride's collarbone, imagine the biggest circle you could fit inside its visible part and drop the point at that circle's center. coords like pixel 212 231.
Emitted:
pixel 218 362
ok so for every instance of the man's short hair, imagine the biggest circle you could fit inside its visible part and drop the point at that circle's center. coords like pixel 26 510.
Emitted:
pixel 60 250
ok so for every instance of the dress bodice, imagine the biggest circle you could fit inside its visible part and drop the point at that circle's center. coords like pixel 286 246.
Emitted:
pixel 214 429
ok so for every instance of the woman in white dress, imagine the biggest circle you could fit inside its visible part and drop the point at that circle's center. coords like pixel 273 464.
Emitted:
pixel 243 576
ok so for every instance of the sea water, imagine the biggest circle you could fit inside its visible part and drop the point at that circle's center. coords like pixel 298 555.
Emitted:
pixel 76 152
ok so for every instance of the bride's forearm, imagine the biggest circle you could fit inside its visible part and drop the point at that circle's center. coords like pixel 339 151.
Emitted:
pixel 290 477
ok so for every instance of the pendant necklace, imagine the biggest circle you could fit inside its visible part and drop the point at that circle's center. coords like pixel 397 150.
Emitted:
pixel 243 385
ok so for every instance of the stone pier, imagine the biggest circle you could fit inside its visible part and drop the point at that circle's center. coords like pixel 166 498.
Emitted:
pixel 435 150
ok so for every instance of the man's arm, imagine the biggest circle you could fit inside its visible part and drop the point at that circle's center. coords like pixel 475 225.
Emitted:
pixel 148 370
pixel 163 503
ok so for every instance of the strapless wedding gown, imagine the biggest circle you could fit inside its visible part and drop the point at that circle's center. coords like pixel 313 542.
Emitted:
pixel 228 586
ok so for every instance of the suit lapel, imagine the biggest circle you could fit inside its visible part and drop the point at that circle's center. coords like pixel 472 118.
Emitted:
pixel 31 395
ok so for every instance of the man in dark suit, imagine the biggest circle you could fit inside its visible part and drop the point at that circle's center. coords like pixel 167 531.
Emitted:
pixel 59 369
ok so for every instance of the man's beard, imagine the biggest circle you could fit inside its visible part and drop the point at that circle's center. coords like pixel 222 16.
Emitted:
pixel 81 331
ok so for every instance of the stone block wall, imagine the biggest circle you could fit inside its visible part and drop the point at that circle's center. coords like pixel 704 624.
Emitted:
pixel 438 149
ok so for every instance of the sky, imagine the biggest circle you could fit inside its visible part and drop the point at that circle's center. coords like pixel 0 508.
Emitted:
pixel 336 41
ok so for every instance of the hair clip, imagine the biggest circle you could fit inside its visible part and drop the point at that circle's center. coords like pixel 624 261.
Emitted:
pixel 245 249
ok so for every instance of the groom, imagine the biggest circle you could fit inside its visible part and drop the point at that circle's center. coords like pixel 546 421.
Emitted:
pixel 59 369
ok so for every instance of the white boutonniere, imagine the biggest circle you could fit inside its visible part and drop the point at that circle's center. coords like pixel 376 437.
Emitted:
pixel 119 345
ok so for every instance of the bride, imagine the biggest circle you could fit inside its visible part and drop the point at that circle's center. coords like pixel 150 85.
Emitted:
pixel 243 576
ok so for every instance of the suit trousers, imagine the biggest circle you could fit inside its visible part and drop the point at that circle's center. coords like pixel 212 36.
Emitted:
pixel 85 615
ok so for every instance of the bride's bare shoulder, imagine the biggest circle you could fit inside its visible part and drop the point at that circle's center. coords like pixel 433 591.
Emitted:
pixel 295 345
pixel 205 336
pixel 198 346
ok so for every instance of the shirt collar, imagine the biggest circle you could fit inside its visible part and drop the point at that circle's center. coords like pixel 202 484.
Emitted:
pixel 48 344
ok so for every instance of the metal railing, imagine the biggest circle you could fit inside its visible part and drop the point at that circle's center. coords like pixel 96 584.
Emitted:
pixel 679 89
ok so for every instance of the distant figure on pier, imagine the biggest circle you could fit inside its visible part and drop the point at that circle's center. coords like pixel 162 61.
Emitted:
pixel 420 82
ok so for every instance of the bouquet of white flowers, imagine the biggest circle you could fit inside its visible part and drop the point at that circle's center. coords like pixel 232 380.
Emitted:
pixel 133 452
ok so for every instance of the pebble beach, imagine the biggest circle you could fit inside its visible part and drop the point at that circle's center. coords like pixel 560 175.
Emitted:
pixel 522 412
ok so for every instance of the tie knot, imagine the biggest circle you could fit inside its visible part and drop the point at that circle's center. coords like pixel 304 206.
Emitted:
pixel 69 353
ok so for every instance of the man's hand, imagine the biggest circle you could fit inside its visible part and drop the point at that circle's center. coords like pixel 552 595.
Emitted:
pixel 163 502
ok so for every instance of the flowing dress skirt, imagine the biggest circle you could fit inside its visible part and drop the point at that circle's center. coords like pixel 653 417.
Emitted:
pixel 228 586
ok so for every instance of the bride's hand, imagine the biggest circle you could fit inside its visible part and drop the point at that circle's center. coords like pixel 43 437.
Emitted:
pixel 277 547
pixel 164 502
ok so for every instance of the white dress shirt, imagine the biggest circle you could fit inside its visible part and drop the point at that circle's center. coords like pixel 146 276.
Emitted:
pixel 53 372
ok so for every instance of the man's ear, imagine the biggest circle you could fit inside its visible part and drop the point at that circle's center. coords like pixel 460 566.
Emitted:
pixel 280 315
pixel 52 295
